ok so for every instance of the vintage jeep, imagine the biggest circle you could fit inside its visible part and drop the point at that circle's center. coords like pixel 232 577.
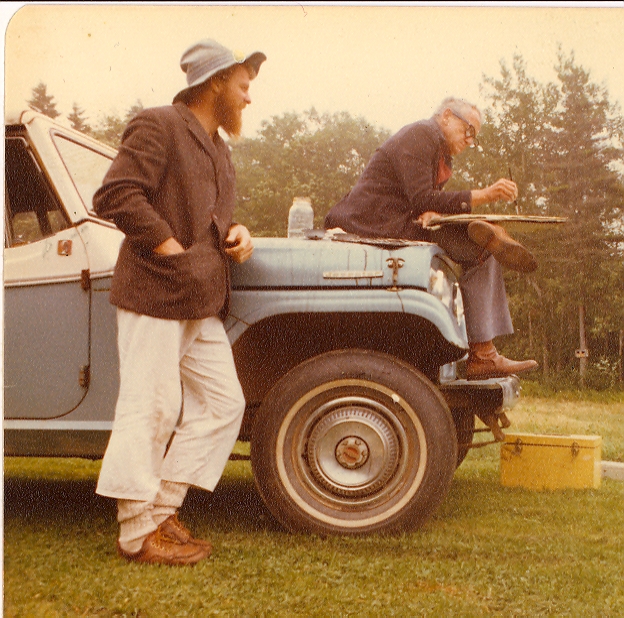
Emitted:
pixel 346 348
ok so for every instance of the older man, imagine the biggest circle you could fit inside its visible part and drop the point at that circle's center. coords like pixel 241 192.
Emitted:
pixel 399 192
pixel 171 190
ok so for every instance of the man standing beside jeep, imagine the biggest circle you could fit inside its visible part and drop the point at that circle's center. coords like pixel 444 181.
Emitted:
pixel 171 190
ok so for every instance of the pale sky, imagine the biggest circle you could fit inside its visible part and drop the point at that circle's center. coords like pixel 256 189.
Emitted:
pixel 391 65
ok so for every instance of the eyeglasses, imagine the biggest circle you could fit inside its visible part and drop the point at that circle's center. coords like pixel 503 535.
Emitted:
pixel 471 132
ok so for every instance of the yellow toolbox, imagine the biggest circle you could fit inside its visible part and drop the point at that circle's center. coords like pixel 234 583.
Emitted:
pixel 539 461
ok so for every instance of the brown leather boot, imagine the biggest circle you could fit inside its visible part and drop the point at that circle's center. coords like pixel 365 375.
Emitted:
pixel 485 362
pixel 172 528
pixel 503 247
pixel 158 549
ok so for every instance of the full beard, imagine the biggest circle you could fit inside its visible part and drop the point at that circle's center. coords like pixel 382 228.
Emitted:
pixel 229 117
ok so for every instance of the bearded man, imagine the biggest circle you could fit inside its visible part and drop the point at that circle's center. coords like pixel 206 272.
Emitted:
pixel 171 190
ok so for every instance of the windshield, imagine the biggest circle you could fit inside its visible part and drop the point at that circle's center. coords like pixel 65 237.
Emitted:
pixel 86 167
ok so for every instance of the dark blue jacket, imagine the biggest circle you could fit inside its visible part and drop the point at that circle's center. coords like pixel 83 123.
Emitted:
pixel 403 179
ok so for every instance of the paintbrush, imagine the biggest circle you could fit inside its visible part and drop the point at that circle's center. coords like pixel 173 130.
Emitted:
pixel 516 200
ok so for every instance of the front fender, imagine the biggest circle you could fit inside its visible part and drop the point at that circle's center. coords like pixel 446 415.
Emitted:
pixel 251 306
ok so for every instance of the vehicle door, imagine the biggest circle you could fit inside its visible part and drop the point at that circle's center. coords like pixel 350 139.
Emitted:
pixel 46 294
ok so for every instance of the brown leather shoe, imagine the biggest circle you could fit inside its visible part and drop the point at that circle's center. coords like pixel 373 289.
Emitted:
pixel 485 362
pixel 503 247
pixel 158 549
pixel 172 528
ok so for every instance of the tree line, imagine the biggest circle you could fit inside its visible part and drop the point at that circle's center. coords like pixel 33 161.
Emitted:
pixel 563 144
pixel 108 129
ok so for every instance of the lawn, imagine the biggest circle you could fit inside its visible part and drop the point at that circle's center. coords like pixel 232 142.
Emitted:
pixel 489 550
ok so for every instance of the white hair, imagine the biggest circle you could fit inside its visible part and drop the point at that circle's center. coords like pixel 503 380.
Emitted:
pixel 461 106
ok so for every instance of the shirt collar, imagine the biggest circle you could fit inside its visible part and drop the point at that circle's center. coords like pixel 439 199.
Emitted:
pixel 443 145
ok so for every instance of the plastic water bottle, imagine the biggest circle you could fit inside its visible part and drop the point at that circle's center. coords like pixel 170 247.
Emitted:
pixel 300 217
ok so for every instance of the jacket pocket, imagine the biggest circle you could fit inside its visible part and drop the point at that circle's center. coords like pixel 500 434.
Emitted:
pixel 185 286
pixel 199 270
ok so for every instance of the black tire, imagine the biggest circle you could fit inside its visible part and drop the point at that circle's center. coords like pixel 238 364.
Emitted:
pixel 353 442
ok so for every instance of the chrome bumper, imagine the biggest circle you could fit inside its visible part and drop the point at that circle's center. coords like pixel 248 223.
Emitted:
pixel 494 395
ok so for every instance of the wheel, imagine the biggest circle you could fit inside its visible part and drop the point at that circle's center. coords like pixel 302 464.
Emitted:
pixel 353 442
pixel 464 427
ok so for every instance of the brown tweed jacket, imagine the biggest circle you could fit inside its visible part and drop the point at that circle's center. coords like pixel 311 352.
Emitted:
pixel 170 178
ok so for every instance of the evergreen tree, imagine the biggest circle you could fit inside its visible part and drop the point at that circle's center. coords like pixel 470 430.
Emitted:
pixel 42 102
pixel 587 189
pixel 78 121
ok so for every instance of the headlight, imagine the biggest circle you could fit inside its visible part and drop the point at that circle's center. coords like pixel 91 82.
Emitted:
pixel 444 286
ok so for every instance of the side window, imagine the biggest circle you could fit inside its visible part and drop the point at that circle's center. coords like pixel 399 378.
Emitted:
pixel 31 210
pixel 85 166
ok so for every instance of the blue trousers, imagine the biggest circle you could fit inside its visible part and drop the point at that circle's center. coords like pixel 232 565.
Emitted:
pixel 481 283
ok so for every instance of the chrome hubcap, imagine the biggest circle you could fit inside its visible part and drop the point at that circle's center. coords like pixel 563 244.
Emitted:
pixel 354 448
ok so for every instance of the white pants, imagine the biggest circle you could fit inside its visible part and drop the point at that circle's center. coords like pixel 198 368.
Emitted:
pixel 171 373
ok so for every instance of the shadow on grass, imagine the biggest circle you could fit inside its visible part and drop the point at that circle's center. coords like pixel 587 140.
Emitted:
pixel 48 500
pixel 235 506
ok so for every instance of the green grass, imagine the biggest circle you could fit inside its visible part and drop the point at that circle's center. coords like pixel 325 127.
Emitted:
pixel 562 391
pixel 489 551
